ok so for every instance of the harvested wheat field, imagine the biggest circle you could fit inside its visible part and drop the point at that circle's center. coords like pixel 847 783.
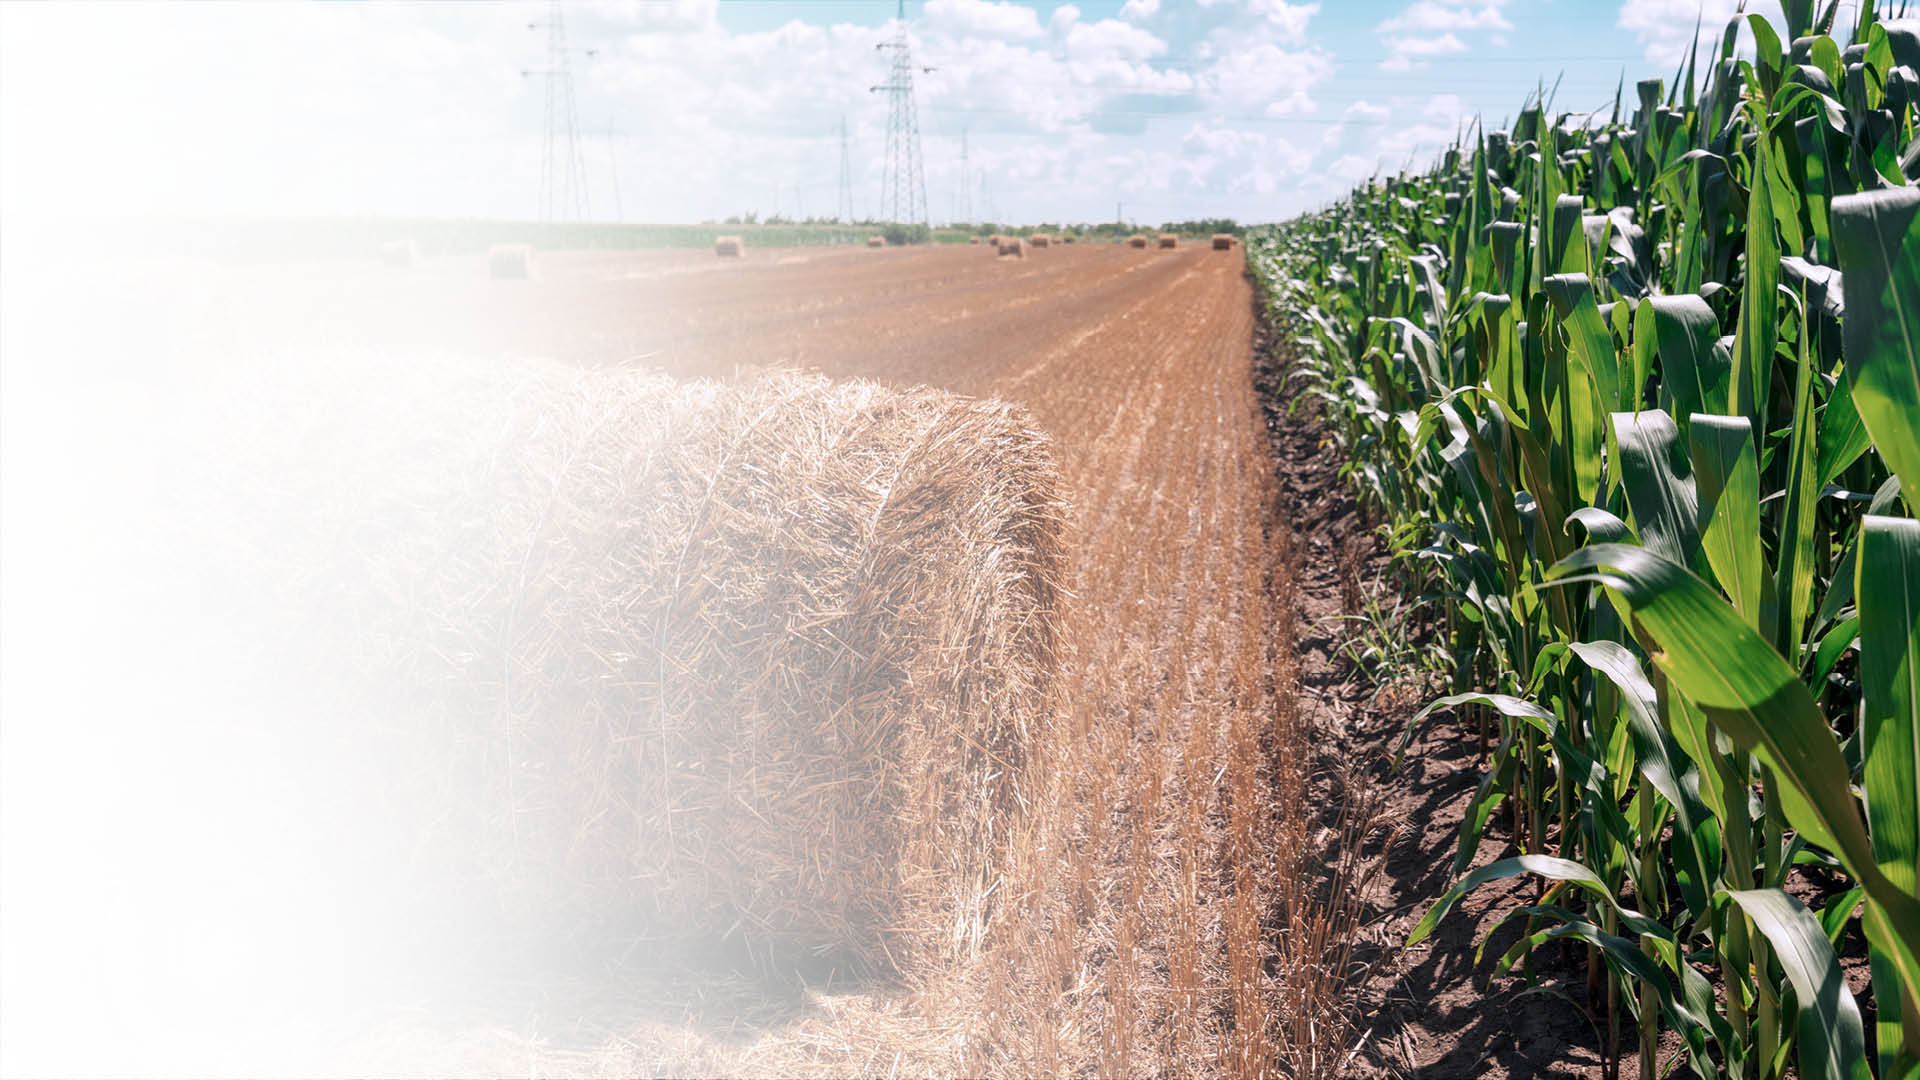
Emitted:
pixel 1073 838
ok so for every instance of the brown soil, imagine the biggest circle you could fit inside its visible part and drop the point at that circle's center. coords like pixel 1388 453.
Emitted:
pixel 1430 1011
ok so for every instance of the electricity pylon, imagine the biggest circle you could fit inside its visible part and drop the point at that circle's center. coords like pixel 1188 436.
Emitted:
pixel 563 172
pixel 903 188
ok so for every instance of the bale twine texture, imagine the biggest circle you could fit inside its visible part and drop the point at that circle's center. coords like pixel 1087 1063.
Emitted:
pixel 744 665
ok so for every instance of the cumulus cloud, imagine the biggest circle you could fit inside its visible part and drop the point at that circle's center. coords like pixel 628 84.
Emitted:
pixel 983 19
pixel 405 109
pixel 1665 27
pixel 1448 15
pixel 1403 54
pixel 1267 79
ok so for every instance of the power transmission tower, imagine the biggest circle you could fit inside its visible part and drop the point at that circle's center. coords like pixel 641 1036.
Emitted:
pixel 903 188
pixel 845 210
pixel 966 191
pixel 563 172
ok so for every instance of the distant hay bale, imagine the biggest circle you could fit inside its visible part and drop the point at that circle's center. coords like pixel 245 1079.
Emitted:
pixel 876 241
pixel 757 659
pixel 1169 240
pixel 730 246
pixel 510 261
pixel 1013 246
pixel 1136 241
pixel 1067 239
pixel 995 241
pixel 1041 240
pixel 973 240
pixel 399 253
pixel 1223 241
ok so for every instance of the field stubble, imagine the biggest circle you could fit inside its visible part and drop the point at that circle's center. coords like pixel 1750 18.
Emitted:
pixel 1167 904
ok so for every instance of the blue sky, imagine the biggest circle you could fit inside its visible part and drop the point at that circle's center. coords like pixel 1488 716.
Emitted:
pixel 697 109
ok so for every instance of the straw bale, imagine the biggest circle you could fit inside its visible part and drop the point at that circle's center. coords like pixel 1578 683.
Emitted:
pixel 748 666
pixel 510 261
pixel 1223 241
pixel 1136 241
pixel 973 240
pixel 1041 240
pixel 1014 246
pixel 732 246
pixel 876 241
pixel 1169 240
pixel 995 241
pixel 1067 239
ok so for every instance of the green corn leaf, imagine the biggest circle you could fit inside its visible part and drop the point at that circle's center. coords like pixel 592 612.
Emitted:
pixel 1877 237
pixel 1685 328
pixel 1666 767
pixel 1727 482
pixel 1843 437
pixel 1659 483
pixel 1545 866
pixel 1889 597
pixel 1760 299
pixel 1832 1045
pixel 1756 698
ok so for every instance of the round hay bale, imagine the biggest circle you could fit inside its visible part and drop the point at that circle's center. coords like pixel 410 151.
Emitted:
pixel 1136 241
pixel 749 666
pixel 1067 239
pixel 1223 241
pixel 973 240
pixel 876 241
pixel 995 241
pixel 1169 240
pixel 1012 246
pixel 730 246
pixel 505 261
pixel 399 253
pixel 1041 240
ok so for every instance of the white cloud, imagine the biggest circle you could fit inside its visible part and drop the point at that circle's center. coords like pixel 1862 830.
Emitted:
pixel 1665 27
pixel 1403 54
pixel 1267 79
pixel 404 109
pixel 1448 15
pixel 1286 20
pixel 983 18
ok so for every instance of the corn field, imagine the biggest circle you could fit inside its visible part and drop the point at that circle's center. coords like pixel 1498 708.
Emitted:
pixel 1637 404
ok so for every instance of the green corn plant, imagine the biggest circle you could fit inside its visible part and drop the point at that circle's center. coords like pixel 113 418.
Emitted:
pixel 1638 403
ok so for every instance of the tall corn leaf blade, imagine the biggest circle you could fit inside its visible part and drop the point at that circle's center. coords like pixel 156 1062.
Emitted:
pixel 1727 480
pixel 1888 566
pixel 1832 1044
pixel 1759 300
pixel 1756 698
pixel 1877 236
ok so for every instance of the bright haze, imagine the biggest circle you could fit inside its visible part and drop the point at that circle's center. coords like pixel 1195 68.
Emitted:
pixel 689 110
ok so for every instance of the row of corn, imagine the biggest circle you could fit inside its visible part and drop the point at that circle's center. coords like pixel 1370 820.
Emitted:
pixel 1637 405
